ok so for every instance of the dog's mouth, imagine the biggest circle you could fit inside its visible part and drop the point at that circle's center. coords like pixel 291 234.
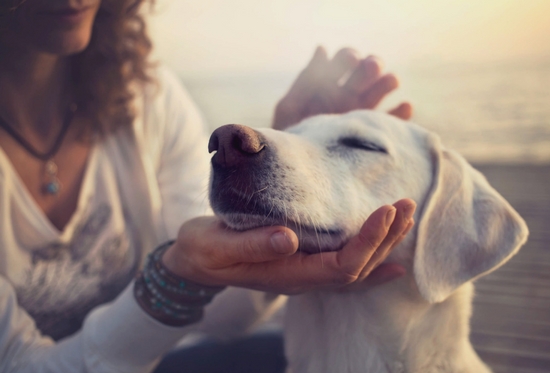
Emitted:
pixel 311 239
pixel 259 206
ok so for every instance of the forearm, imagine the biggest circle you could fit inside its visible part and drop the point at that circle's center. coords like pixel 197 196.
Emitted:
pixel 118 337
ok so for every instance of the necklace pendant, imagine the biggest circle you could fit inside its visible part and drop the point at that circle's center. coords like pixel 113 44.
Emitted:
pixel 52 186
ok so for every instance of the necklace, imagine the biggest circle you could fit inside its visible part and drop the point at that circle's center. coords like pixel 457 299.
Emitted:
pixel 52 185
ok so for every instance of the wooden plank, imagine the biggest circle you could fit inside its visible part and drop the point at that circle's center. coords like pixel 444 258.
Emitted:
pixel 518 362
pixel 520 345
pixel 510 328
pixel 511 320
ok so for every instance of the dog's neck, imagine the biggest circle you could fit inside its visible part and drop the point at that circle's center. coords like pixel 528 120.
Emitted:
pixel 388 329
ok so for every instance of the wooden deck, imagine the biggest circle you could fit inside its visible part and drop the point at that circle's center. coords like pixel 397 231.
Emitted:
pixel 511 321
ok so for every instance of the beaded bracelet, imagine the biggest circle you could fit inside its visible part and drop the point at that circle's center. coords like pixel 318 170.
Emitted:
pixel 170 299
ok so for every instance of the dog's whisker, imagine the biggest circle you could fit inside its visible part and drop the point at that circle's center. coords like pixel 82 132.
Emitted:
pixel 250 199
pixel 300 226
pixel 266 217
pixel 318 241
pixel 201 196
pixel 251 195
pixel 285 216
pixel 260 190
pixel 299 222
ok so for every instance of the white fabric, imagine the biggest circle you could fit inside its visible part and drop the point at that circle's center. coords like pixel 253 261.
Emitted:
pixel 140 185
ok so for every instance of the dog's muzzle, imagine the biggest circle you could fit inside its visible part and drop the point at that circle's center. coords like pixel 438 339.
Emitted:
pixel 236 147
pixel 248 188
pixel 241 167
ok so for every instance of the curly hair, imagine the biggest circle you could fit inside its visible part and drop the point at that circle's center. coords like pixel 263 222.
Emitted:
pixel 104 72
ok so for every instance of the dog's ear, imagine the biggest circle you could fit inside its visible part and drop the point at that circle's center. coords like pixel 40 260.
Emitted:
pixel 466 229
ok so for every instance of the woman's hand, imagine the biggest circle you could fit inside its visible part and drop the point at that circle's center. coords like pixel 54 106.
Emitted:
pixel 266 258
pixel 319 88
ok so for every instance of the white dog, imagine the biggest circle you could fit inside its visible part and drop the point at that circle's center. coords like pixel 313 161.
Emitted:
pixel 323 178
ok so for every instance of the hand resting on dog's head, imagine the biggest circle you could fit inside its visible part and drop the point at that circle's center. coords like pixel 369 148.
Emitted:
pixel 333 86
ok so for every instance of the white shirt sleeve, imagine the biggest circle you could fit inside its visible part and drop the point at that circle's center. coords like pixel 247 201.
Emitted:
pixel 118 337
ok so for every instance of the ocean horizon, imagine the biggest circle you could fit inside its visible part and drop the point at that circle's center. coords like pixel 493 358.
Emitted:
pixel 489 112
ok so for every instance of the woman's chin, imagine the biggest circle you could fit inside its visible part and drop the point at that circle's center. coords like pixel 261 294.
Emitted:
pixel 65 43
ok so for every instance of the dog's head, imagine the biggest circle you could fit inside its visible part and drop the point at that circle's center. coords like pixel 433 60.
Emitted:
pixel 323 177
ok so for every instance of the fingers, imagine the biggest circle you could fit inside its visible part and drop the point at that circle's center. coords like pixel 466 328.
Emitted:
pixel 403 111
pixel 297 273
pixel 385 272
pixel 295 105
pixel 335 269
pixel 315 71
pixel 319 58
pixel 265 258
pixel 400 226
pixel 360 249
pixel 378 236
pixel 376 239
pixel 205 243
pixel 345 60
pixel 366 73
pixel 372 97
pixel 253 246
pixel 302 272
pixel 318 88
pixel 306 82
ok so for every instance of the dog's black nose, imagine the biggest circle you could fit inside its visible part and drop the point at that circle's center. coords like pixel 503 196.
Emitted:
pixel 235 145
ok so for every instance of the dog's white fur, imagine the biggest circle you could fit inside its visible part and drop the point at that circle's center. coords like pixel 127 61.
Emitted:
pixel 325 182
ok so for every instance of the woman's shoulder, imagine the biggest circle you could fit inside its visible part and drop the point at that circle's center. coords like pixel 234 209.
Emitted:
pixel 167 120
pixel 166 89
pixel 164 108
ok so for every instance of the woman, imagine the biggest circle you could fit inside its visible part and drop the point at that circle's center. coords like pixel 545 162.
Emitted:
pixel 102 158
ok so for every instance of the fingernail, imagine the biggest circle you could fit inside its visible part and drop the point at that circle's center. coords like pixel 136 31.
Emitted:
pixel 281 243
pixel 390 216
pixel 409 211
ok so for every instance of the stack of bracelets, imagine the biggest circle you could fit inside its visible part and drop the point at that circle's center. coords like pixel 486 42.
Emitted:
pixel 170 299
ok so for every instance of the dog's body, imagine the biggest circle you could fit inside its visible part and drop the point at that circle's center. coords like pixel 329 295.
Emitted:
pixel 323 178
pixel 388 329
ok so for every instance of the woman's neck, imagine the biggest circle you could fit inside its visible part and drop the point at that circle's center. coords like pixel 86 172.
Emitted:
pixel 34 89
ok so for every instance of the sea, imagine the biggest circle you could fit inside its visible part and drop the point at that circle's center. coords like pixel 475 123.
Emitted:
pixel 496 112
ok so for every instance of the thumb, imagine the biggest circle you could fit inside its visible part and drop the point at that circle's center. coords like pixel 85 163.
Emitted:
pixel 257 245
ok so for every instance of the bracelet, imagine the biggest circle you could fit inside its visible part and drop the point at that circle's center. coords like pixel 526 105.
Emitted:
pixel 173 283
pixel 168 298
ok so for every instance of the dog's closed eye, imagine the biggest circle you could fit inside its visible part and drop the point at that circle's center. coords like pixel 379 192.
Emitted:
pixel 362 144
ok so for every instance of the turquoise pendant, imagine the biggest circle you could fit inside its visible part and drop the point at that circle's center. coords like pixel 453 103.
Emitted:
pixel 53 186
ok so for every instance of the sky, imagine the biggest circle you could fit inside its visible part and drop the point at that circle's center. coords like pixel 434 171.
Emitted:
pixel 236 36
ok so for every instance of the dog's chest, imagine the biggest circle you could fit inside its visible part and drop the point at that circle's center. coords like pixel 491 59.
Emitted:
pixel 339 333
pixel 386 329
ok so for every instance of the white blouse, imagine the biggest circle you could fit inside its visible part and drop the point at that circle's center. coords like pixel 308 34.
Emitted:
pixel 139 186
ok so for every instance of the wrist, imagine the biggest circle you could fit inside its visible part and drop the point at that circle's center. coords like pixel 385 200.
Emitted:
pixel 170 258
pixel 154 307
pixel 167 297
